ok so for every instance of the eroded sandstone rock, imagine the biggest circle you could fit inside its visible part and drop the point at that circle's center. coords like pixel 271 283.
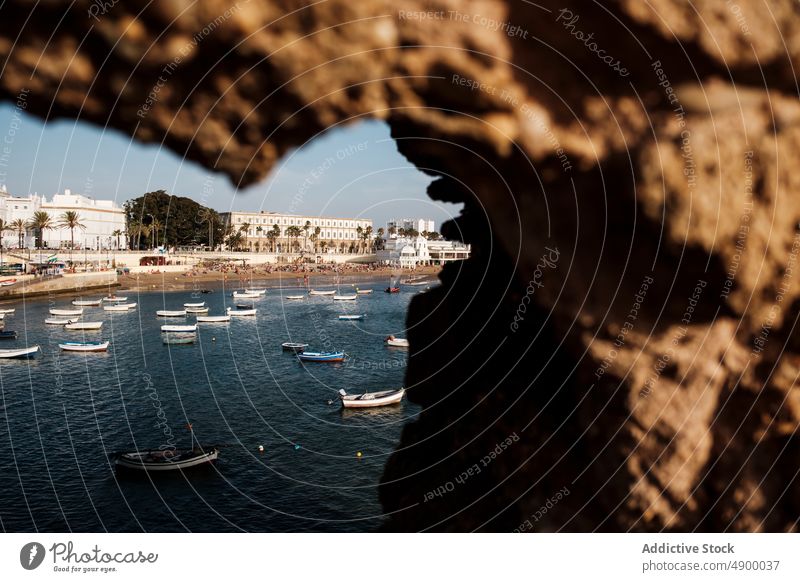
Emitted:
pixel 649 143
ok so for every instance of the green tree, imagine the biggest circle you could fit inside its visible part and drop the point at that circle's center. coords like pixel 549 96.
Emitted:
pixel 180 220
pixel 117 233
pixel 20 227
pixel 71 219
pixel 39 223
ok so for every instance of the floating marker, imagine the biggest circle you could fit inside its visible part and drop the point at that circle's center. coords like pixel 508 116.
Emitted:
pixel 297 447
pixel 358 454
pixel 260 448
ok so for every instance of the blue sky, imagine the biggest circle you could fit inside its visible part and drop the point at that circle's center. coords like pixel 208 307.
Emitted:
pixel 332 175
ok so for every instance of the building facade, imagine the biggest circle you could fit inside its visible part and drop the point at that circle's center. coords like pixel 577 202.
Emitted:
pixel 409 252
pixel 101 219
pixel 335 235
pixel 419 224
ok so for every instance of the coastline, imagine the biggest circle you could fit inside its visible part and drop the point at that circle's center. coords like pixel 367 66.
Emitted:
pixel 170 281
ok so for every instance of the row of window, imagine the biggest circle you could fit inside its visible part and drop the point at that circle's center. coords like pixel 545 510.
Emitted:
pixel 302 221
pixel 324 234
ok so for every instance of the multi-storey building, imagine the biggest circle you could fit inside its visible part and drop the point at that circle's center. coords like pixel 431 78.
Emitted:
pixel 419 224
pixel 101 220
pixel 336 235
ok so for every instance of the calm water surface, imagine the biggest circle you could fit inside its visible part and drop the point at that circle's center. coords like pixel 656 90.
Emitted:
pixel 62 414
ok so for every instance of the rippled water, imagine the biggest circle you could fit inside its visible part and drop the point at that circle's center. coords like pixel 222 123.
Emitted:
pixel 61 415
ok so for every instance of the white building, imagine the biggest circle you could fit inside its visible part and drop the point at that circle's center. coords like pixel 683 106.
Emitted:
pixel 100 218
pixel 408 252
pixel 336 235
pixel 419 224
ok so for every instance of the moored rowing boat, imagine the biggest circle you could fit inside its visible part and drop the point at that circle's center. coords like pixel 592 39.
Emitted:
pixel 84 346
pixel 321 356
pixel 167 313
pixel 19 353
pixel 66 312
pixel 180 328
pixel 213 318
pixel 371 399
pixel 167 460
pixel 84 325
pixel 241 312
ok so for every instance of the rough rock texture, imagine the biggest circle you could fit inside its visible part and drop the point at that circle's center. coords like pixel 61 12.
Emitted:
pixel 629 196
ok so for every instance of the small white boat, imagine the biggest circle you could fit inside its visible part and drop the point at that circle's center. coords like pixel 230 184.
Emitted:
pixel 19 352
pixel 314 292
pixel 294 346
pixel 84 325
pixel 124 307
pixel 241 312
pixel 7 311
pixel 213 318
pixel 87 302
pixel 397 342
pixel 197 310
pixel 127 305
pixel 178 338
pixel 179 328
pixel 363 291
pixel 295 297
pixel 114 299
pixel 66 312
pixel 345 297
pixel 256 291
pixel 352 317
pixel 371 399
pixel 237 295
pixel 7 282
pixel 58 321
pixel 84 346
pixel 166 313
pixel 156 461
pixel 2 316
pixel 200 304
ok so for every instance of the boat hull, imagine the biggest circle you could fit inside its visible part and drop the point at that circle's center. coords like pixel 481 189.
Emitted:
pixel 213 318
pixel 141 461
pixel 372 399
pixel 321 357
pixel 85 347
pixel 20 353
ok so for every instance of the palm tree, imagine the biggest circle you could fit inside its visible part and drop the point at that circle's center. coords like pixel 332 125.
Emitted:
pixel 271 236
pixel 367 237
pixel 117 233
pixel 294 232
pixel 19 226
pixel 324 245
pixel 235 240
pixel 156 226
pixel 40 222
pixel 276 233
pixel 71 220
pixel 360 233
pixel 306 228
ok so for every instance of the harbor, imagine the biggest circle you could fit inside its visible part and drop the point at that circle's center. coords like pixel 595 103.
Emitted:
pixel 291 456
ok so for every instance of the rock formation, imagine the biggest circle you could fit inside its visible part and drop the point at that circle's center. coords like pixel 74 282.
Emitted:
pixel 619 353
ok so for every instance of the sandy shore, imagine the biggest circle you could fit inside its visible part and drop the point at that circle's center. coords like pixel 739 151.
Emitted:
pixel 214 279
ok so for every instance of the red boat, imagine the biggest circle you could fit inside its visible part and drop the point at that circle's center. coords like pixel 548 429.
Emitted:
pixel 393 289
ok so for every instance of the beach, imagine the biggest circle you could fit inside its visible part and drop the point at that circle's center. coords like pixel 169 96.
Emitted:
pixel 268 276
